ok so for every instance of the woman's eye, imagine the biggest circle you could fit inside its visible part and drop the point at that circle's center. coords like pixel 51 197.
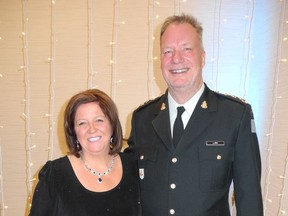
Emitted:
pixel 81 123
pixel 99 120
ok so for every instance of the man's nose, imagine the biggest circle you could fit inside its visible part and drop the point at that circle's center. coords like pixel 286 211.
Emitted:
pixel 177 57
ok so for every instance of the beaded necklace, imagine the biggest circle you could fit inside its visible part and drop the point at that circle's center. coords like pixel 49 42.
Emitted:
pixel 99 174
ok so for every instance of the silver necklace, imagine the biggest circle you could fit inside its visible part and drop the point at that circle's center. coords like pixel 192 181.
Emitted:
pixel 99 174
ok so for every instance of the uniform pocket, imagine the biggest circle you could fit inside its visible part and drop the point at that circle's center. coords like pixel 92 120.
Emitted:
pixel 215 167
pixel 146 158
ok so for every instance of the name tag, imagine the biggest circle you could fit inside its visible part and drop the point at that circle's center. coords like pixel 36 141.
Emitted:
pixel 215 143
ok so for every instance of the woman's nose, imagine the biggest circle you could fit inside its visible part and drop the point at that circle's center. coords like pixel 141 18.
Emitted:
pixel 92 128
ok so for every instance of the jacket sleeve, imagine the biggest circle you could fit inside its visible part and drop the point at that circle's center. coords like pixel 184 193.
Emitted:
pixel 44 198
pixel 247 168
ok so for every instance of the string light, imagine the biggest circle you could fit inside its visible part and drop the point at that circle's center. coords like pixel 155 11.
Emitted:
pixel 247 54
pixel 2 204
pixel 216 40
pixel 272 124
pixel 115 50
pixel 91 44
pixel 150 58
pixel 26 114
pixel 283 177
pixel 176 7
pixel 52 80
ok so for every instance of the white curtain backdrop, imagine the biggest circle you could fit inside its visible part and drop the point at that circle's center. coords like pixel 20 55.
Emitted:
pixel 51 50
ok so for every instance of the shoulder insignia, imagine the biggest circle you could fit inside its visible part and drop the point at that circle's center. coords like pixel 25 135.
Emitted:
pixel 233 97
pixel 147 103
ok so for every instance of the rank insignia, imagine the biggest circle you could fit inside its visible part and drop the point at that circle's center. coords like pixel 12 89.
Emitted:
pixel 204 105
pixel 163 106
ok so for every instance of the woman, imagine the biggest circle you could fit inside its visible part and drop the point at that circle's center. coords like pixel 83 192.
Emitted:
pixel 95 178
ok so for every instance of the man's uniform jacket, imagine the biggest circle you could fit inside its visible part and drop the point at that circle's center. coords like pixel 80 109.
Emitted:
pixel 219 145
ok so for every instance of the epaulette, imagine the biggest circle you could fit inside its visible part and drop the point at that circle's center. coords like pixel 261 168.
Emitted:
pixel 233 98
pixel 147 103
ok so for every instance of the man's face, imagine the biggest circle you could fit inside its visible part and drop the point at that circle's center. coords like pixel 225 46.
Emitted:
pixel 182 58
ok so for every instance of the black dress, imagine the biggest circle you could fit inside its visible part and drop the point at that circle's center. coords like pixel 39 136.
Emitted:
pixel 59 193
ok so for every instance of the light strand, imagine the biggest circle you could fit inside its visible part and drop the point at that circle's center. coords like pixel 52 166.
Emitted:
pixel 216 53
pixel 26 113
pixel 150 57
pixel 273 113
pixel 91 44
pixel 284 177
pixel 2 204
pixel 115 50
pixel 281 210
pixel 247 55
pixel 52 81
pixel 176 7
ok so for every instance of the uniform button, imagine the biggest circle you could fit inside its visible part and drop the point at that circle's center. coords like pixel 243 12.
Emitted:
pixel 174 160
pixel 172 211
pixel 141 157
pixel 219 157
pixel 173 186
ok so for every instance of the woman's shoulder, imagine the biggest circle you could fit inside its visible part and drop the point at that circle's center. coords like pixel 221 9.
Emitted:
pixel 54 167
pixel 128 161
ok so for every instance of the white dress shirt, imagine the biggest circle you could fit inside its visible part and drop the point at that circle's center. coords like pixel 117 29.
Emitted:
pixel 189 108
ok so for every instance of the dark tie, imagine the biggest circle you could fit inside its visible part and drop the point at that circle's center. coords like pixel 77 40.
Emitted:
pixel 178 127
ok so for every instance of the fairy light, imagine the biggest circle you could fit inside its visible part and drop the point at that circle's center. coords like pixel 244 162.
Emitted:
pixel 52 80
pixel 247 41
pixel 1 183
pixel 91 44
pixel 176 7
pixel 216 40
pixel 115 50
pixel 26 113
pixel 270 135
pixel 283 189
pixel 150 72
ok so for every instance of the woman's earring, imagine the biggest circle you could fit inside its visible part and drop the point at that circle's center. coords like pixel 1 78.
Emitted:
pixel 111 140
pixel 78 145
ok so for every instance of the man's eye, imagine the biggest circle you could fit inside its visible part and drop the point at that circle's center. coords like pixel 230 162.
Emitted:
pixel 165 52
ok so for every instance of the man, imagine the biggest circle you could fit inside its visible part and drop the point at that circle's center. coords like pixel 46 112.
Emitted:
pixel 192 176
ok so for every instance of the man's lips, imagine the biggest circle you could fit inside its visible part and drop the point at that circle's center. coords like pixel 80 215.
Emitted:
pixel 178 71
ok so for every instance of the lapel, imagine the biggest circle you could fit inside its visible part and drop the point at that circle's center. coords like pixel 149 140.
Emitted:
pixel 200 118
pixel 161 122
pixel 198 122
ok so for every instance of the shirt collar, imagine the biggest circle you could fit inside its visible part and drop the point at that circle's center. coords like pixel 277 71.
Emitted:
pixel 189 105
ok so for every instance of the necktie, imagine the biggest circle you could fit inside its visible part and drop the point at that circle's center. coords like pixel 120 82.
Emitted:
pixel 178 127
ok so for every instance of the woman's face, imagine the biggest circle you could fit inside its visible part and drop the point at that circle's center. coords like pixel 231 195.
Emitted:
pixel 93 129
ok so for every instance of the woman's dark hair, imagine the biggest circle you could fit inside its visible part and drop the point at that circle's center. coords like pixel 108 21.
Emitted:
pixel 109 109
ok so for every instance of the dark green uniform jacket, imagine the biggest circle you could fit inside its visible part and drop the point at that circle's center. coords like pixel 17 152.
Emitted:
pixel 219 145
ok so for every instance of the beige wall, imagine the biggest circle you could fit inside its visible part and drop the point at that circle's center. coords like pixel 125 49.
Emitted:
pixel 52 50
